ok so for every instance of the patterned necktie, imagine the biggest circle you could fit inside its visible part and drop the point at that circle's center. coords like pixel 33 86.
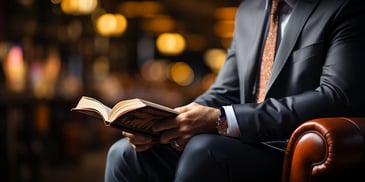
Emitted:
pixel 268 53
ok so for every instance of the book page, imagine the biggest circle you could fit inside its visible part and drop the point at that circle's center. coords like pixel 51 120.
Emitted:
pixel 125 106
pixel 161 107
pixel 91 104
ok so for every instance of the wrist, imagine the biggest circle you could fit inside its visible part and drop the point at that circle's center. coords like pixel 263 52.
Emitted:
pixel 222 124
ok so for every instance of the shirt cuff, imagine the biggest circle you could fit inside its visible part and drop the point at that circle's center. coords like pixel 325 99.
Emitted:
pixel 233 129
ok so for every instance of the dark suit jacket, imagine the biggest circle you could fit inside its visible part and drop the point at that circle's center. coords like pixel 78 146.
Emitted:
pixel 319 68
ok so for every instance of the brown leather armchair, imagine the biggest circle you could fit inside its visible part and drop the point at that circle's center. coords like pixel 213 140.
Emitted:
pixel 326 149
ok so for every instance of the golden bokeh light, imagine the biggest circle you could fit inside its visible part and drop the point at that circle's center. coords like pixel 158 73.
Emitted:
pixel 78 6
pixel 15 69
pixel 170 43
pixel 121 25
pixel 214 58
pixel 225 13
pixel 111 24
pixel 181 73
pixel 224 29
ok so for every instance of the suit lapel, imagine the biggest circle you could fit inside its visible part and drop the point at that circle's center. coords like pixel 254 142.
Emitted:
pixel 254 14
pixel 301 13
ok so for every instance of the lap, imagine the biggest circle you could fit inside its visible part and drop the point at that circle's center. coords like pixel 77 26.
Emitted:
pixel 218 158
pixel 125 164
pixel 206 156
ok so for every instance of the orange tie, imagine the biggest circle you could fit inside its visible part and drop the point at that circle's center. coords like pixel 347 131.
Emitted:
pixel 268 53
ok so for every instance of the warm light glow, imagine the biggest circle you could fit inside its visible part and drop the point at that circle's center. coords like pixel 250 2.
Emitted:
pixel 121 24
pixel 4 48
pixel 135 9
pixel 226 42
pixel 195 42
pixel 42 118
pixel 111 24
pixel 74 30
pixel 101 67
pixel 214 58
pixel 52 67
pixel 78 6
pixel 181 73
pixel 44 75
pixel 159 24
pixel 154 70
pixel 170 43
pixel 208 80
pixel 224 29
pixel 56 1
pixel 226 13
pixel 15 69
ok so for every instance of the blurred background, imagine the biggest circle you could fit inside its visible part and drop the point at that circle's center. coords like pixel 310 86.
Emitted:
pixel 54 51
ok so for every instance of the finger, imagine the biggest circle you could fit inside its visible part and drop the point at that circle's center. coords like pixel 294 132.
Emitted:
pixel 137 139
pixel 181 109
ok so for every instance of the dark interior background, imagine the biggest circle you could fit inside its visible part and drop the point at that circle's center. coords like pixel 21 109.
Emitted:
pixel 41 140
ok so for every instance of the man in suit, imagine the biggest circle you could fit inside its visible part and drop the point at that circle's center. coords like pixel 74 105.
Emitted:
pixel 317 72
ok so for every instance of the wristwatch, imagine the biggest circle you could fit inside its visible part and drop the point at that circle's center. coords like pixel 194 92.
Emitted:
pixel 222 124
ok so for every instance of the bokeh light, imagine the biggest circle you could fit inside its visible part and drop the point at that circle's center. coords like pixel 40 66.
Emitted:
pixel 214 58
pixel 155 70
pixel 78 6
pixel 181 73
pixel 170 43
pixel 15 69
pixel 111 24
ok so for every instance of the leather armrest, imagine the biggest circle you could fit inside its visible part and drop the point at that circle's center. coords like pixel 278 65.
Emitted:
pixel 324 147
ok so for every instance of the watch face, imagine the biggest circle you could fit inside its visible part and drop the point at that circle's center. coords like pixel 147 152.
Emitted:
pixel 222 126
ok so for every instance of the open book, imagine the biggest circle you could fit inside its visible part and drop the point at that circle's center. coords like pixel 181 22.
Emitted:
pixel 136 115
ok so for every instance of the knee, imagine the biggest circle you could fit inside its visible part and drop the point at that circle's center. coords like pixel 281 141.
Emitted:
pixel 200 145
pixel 117 149
pixel 209 148
pixel 197 160
pixel 202 142
pixel 115 161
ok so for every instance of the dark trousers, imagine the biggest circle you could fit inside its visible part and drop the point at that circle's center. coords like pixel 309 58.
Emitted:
pixel 206 157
